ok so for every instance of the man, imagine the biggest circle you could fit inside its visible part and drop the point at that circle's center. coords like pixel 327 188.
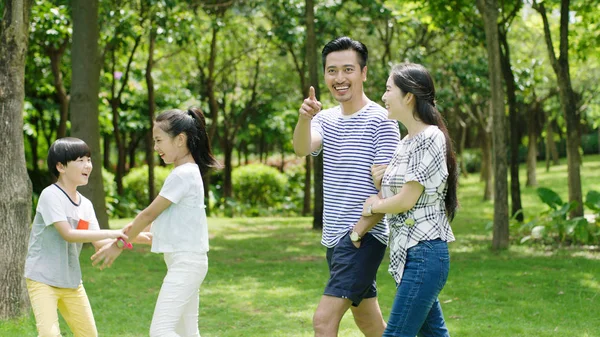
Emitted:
pixel 353 136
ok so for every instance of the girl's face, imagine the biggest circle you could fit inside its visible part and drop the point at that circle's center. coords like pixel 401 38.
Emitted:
pixel 170 149
pixel 395 101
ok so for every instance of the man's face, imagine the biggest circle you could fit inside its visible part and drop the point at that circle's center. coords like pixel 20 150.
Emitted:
pixel 343 75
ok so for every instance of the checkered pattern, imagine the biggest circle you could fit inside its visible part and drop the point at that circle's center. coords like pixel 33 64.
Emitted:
pixel 421 158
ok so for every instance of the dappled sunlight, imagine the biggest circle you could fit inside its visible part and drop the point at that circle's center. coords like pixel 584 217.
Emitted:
pixel 589 281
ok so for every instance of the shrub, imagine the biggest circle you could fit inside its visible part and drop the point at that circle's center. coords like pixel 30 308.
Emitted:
pixel 472 159
pixel 135 190
pixel 257 188
pixel 589 143
pixel 553 225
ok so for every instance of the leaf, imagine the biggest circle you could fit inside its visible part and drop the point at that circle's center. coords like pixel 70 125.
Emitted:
pixel 549 197
pixel 592 200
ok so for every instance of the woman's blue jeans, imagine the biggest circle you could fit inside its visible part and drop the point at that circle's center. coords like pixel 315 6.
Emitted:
pixel 416 309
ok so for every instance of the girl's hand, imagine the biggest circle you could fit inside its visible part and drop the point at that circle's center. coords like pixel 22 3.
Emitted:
pixel 377 171
pixel 368 204
pixel 106 255
pixel 126 228
pixel 144 238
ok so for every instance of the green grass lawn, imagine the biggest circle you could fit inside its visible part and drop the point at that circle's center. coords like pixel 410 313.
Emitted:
pixel 266 276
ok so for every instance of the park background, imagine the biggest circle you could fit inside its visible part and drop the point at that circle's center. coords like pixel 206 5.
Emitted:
pixel 517 84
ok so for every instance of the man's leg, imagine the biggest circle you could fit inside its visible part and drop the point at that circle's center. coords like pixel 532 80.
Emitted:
pixel 368 317
pixel 326 321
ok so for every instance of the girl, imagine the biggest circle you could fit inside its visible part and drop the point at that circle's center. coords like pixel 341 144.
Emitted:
pixel 179 226
pixel 419 195
pixel 64 219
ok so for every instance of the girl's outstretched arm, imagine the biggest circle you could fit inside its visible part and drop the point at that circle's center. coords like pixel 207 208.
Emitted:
pixel 147 216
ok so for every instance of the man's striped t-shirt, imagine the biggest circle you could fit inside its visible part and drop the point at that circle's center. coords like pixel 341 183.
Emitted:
pixel 351 144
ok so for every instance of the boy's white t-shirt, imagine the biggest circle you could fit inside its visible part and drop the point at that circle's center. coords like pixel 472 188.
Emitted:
pixel 183 226
pixel 50 259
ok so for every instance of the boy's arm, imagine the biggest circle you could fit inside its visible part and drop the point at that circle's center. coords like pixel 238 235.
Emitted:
pixel 75 235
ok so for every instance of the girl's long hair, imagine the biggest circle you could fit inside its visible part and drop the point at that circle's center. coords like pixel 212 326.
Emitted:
pixel 193 124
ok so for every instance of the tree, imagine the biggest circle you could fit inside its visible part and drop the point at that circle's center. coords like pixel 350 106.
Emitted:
pixel 85 85
pixel 508 15
pixel 15 196
pixel 489 11
pixel 568 102
pixel 313 71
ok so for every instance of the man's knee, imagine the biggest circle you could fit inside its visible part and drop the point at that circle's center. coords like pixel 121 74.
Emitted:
pixel 321 322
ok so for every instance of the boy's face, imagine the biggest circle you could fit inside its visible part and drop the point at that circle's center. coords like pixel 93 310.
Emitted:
pixel 77 171
pixel 343 75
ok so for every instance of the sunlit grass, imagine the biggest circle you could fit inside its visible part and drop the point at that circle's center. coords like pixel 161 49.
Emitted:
pixel 266 276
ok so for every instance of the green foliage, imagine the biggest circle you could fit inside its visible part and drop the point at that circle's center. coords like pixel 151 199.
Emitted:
pixel 135 185
pixel 472 160
pixel 553 226
pixel 258 190
pixel 589 143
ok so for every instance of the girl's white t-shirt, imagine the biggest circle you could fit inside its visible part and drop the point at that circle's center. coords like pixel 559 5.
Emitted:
pixel 182 227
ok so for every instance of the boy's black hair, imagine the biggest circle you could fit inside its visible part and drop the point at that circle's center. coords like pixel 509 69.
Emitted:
pixel 64 150
pixel 346 43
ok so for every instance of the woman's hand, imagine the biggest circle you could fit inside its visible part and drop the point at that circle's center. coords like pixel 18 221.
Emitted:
pixel 369 204
pixel 377 171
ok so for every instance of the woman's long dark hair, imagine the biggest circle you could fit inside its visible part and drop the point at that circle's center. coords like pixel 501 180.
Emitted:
pixel 192 123
pixel 415 79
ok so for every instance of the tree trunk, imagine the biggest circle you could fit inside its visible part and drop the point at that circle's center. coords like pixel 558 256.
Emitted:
pixel 461 147
pixel 15 195
pixel 551 150
pixel 487 165
pixel 85 86
pixel 489 9
pixel 307 180
pixel 533 133
pixel 532 158
pixel 515 136
pixel 151 110
pixel 227 154
pixel 62 98
pixel 567 101
pixel 106 152
pixel 313 72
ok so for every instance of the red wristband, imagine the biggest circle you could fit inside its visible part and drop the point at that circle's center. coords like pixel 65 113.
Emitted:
pixel 124 244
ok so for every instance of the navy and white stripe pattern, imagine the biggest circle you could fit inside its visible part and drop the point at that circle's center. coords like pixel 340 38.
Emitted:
pixel 421 158
pixel 351 144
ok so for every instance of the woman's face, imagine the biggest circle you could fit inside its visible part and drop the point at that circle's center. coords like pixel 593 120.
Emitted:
pixel 395 100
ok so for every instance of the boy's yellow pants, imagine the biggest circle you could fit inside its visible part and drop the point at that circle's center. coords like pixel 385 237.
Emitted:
pixel 73 305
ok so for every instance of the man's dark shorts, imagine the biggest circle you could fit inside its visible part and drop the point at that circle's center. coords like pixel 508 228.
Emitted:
pixel 353 271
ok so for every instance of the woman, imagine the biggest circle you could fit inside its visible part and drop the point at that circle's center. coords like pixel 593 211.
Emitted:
pixel 419 196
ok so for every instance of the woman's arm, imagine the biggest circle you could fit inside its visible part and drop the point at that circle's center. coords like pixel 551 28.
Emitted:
pixel 399 203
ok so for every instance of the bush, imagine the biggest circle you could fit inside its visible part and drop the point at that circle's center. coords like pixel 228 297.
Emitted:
pixel 553 226
pixel 258 190
pixel 589 143
pixel 472 159
pixel 135 190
